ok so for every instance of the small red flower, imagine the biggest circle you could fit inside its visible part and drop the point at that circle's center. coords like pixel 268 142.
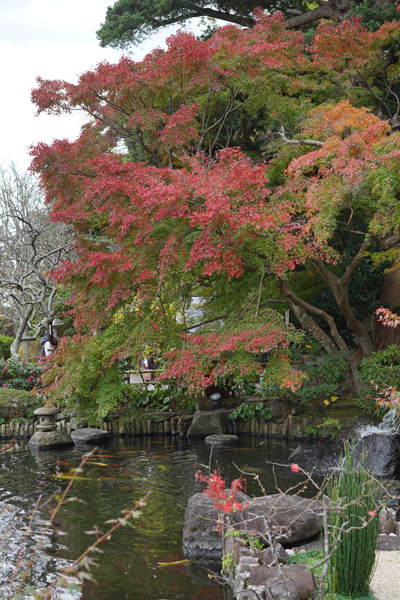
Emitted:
pixel 372 513
pixel 295 468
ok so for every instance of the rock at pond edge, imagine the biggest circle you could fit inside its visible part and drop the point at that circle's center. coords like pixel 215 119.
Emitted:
pixel 50 440
pixel 89 435
pixel 222 440
pixel 200 538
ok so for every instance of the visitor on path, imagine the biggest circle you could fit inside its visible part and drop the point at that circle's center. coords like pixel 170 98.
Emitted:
pixel 48 344
pixel 148 365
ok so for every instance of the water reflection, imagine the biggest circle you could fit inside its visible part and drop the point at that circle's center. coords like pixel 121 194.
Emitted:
pixel 114 480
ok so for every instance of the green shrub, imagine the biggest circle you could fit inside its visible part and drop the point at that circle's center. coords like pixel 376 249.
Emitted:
pixel 354 498
pixel 5 345
pixel 18 374
pixel 162 397
pixel 379 371
pixel 323 375
pixel 18 404
pixel 251 411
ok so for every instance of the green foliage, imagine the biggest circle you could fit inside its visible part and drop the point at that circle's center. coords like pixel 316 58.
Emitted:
pixel 309 558
pixel 18 404
pixel 366 596
pixel 251 411
pixel 163 397
pixel 328 428
pixel 20 375
pixel 380 370
pixel 227 562
pixel 375 14
pixel 323 373
pixel 354 493
pixel 130 21
pixel 5 344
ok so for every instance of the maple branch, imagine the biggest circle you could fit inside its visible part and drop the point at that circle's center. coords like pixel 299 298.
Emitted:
pixel 335 10
pixel 340 291
pixel 356 261
pixel 294 300
pixel 285 140
pixel 390 242
pixel 259 293
pixel 207 322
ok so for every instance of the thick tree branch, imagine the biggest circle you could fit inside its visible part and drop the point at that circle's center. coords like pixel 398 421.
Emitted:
pixel 335 10
pixel 286 140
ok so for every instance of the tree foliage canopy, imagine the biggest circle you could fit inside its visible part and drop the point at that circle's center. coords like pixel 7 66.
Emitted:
pixel 128 22
pixel 249 161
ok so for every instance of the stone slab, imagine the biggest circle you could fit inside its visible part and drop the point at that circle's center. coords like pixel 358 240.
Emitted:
pixel 222 440
pixel 50 440
pixel 89 435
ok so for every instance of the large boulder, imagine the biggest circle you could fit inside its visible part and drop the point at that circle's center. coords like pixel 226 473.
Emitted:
pixel 321 455
pixel 277 590
pixel 89 435
pixel 76 423
pixel 50 440
pixel 207 423
pixel 295 574
pixel 294 519
pixel 381 452
pixel 201 540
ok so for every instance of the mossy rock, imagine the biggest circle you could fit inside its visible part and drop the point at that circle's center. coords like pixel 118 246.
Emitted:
pixel 18 404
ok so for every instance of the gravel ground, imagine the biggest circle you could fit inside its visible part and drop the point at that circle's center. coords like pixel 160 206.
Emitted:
pixel 386 580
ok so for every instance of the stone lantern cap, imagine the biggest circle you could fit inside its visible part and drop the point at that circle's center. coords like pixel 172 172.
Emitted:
pixel 45 411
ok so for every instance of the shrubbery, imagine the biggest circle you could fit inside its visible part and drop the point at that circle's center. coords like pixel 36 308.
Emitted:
pixel 18 404
pixel 18 374
pixel 380 373
pixel 5 345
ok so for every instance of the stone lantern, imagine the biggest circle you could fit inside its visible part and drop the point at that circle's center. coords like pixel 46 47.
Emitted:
pixel 48 437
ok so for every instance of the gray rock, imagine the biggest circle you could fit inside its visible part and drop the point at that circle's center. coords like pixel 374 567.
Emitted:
pixel 382 453
pixel 161 417
pixel 78 424
pixel 275 590
pixel 295 519
pixel 204 404
pixel 268 558
pixel 387 521
pixel 50 440
pixel 388 542
pixel 222 440
pixel 295 574
pixel 89 435
pixel 200 538
pixel 207 423
pixel 321 456
pixel 66 415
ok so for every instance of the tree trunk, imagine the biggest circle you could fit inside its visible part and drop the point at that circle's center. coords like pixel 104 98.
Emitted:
pixel 25 347
pixel 302 311
pixel 390 293
pixel 20 332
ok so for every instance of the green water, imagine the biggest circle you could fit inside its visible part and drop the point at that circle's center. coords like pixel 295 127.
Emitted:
pixel 165 469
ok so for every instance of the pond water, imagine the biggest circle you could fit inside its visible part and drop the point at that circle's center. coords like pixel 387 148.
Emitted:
pixel 129 469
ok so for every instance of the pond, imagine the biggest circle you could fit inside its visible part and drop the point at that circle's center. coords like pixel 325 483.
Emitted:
pixel 127 469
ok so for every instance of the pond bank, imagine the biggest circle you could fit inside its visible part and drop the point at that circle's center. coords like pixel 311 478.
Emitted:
pixel 349 418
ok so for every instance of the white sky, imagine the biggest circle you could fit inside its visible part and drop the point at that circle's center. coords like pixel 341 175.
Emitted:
pixel 54 39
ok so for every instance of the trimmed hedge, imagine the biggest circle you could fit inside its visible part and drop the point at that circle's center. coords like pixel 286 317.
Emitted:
pixel 5 345
pixel 18 404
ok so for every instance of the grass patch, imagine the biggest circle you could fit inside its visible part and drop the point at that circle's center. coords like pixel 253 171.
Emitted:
pixel 309 558
pixel 313 557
